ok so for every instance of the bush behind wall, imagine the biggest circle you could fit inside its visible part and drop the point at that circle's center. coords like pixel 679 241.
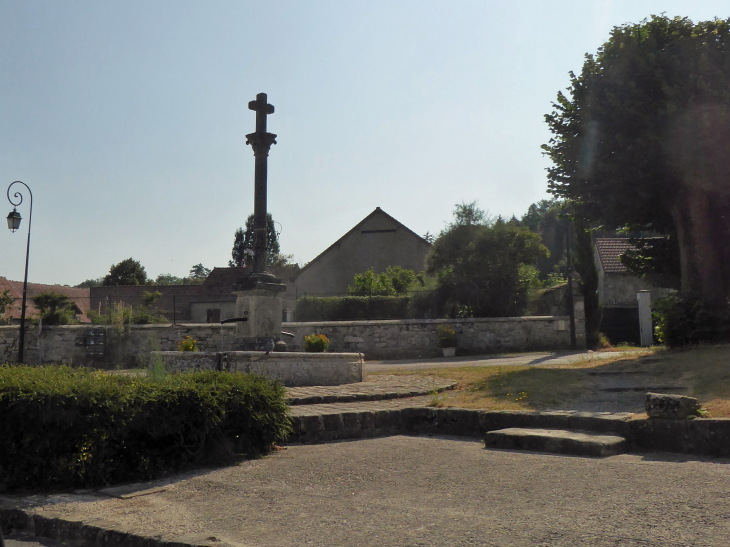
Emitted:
pixel 64 427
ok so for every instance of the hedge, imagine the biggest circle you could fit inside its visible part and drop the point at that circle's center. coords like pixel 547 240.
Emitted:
pixel 686 320
pixel 352 308
pixel 62 427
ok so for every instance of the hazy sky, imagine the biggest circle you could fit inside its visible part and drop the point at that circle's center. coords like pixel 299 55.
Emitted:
pixel 128 118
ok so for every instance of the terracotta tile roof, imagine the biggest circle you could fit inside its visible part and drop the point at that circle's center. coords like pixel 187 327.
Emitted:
pixel 609 251
pixel 80 297
pixel 221 280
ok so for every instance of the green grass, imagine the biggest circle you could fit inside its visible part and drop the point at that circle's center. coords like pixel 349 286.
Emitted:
pixel 704 370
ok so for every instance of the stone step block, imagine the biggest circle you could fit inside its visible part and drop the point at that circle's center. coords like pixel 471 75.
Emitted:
pixel 556 441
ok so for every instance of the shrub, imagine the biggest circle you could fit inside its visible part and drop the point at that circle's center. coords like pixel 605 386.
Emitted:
pixel 316 343
pixel 685 320
pixel 64 427
pixel 393 281
pixel 187 344
pixel 54 308
pixel 120 314
pixel 447 336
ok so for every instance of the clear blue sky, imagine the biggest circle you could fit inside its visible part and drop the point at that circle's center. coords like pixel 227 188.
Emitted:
pixel 128 118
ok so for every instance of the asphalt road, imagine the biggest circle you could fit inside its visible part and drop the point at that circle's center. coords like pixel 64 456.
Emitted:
pixel 535 358
pixel 424 491
pixel 15 540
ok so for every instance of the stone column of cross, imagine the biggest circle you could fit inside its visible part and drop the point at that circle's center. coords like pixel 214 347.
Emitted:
pixel 261 142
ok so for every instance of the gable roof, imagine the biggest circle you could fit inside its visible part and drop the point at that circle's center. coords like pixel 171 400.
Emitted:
pixel 609 250
pixel 376 211
pixel 79 297
pixel 221 280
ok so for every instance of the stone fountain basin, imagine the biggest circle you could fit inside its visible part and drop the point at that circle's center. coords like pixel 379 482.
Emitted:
pixel 292 369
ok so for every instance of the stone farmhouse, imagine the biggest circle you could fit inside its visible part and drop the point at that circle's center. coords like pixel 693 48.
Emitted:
pixel 617 290
pixel 376 242
pixel 78 297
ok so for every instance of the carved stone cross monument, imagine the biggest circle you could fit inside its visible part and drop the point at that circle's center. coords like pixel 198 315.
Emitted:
pixel 258 291
pixel 261 142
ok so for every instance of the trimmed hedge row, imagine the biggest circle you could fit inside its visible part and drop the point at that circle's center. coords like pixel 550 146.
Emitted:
pixel 352 308
pixel 62 427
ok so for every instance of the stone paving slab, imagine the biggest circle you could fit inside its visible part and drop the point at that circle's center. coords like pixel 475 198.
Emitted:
pixel 556 441
pixel 361 406
pixel 378 388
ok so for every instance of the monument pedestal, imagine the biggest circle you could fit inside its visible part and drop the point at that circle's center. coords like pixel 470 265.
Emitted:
pixel 259 300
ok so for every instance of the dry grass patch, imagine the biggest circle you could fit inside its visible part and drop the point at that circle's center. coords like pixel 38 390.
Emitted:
pixel 703 371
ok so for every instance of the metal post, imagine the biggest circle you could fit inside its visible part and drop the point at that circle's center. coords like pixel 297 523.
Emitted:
pixel 174 308
pixel 571 309
pixel 19 197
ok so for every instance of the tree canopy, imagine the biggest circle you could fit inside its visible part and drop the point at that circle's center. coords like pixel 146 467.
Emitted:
pixel 243 243
pixel 127 272
pixel 641 143
pixel 483 268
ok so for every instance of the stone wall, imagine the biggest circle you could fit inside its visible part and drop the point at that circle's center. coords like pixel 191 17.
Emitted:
pixel 376 339
pixel 415 338
pixel 67 344
pixel 290 368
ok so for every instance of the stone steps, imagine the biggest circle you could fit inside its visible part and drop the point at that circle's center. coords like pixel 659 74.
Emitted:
pixel 556 441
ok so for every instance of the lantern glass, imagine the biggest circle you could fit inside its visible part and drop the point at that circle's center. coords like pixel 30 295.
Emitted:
pixel 14 220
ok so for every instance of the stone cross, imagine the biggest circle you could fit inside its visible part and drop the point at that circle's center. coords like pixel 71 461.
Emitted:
pixel 262 109
pixel 261 142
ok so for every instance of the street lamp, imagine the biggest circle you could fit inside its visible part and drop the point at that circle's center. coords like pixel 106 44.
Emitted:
pixel 14 219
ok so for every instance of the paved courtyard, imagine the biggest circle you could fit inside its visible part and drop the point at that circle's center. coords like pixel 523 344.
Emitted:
pixel 423 491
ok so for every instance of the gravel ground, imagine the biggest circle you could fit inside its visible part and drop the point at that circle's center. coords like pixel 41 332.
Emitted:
pixel 423 491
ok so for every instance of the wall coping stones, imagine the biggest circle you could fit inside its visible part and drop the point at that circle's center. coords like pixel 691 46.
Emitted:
pixel 469 320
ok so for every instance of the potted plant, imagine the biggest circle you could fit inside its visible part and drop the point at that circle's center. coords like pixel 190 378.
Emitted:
pixel 447 340
pixel 316 343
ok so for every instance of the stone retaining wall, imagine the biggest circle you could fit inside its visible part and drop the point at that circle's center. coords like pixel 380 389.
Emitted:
pixel 411 338
pixel 710 437
pixel 291 369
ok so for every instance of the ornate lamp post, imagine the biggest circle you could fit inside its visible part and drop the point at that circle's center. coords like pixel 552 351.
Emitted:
pixel 14 219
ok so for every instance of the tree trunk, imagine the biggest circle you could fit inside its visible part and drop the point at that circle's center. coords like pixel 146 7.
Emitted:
pixel 700 235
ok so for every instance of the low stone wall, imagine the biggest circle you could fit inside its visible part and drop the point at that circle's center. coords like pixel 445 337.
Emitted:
pixel 411 338
pixel 291 369
pixel 414 338
pixel 709 437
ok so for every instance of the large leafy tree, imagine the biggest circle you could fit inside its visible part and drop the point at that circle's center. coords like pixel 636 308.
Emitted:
pixel 483 267
pixel 127 272
pixel 545 218
pixel 243 243
pixel 642 142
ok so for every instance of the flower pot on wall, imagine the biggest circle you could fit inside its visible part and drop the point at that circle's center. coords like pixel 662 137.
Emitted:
pixel 449 352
